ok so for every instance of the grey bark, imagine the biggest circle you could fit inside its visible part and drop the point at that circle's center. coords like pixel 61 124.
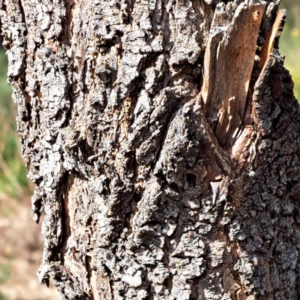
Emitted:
pixel 163 140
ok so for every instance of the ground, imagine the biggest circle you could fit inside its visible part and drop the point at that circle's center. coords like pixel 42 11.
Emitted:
pixel 20 253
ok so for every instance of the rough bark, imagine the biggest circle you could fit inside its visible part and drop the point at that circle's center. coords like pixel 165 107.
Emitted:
pixel 163 139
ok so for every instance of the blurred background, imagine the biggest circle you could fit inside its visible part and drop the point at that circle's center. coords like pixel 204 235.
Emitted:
pixel 290 42
pixel 20 238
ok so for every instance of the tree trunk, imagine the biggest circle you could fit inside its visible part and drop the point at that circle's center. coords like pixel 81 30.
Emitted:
pixel 163 140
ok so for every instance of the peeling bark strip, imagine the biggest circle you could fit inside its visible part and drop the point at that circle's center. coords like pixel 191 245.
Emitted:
pixel 152 185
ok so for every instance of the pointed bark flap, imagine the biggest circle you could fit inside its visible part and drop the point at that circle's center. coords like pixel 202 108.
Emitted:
pixel 228 66
pixel 273 34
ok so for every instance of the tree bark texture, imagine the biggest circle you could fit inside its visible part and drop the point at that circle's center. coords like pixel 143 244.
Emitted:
pixel 163 140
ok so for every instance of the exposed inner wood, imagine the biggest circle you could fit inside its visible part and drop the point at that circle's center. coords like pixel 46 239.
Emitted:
pixel 228 65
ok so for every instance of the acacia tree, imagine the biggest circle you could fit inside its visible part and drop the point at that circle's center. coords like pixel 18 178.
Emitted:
pixel 163 140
